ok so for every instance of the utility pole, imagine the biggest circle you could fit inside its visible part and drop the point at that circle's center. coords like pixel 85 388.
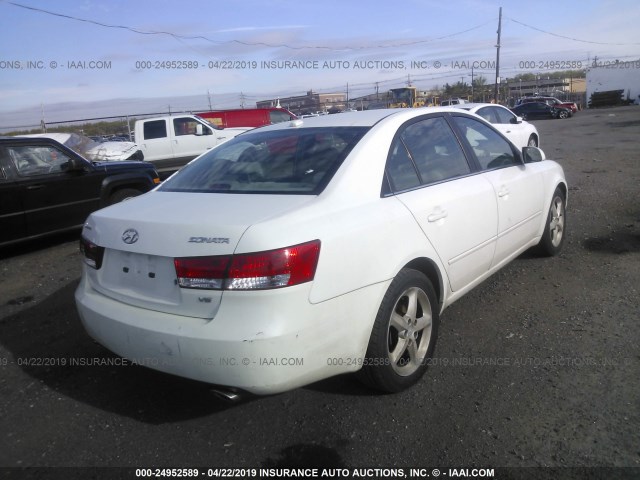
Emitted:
pixel 472 84
pixel 43 124
pixel 495 93
pixel 209 98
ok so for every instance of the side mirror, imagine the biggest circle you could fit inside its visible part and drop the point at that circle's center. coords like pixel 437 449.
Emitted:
pixel 199 129
pixel 73 165
pixel 532 154
pixel 516 120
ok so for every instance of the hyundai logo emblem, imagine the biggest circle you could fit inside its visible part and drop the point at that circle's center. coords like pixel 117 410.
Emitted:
pixel 130 236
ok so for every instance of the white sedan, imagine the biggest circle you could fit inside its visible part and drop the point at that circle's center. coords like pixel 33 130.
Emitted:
pixel 519 131
pixel 316 247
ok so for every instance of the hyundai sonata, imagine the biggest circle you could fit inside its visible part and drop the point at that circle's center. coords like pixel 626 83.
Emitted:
pixel 316 247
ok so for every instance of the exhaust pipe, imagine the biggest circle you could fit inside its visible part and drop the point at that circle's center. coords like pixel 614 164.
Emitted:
pixel 227 394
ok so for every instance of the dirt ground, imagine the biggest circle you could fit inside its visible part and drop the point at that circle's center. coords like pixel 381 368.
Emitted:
pixel 538 367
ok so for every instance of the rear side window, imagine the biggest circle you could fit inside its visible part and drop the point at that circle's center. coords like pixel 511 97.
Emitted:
pixel 435 150
pixel 488 114
pixel 290 161
pixel 425 152
pixel 155 129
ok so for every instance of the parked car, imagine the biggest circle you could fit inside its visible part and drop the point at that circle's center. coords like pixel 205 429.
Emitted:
pixel 553 101
pixel 453 101
pixel 316 247
pixel 46 187
pixel 106 150
pixel 538 110
pixel 521 133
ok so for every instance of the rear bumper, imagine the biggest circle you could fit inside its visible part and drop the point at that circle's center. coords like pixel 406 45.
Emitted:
pixel 263 342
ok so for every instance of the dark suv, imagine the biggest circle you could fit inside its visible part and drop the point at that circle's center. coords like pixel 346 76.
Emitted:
pixel 45 187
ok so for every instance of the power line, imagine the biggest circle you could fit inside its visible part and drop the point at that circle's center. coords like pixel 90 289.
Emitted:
pixel 241 42
pixel 570 38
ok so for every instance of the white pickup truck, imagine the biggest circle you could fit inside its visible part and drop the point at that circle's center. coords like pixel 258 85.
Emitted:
pixel 172 141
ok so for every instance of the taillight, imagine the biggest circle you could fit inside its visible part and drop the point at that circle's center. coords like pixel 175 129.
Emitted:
pixel 93 254
pixel 202 272
pixel 283 267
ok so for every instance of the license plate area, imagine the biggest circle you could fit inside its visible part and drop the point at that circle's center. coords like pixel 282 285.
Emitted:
pixel 148 277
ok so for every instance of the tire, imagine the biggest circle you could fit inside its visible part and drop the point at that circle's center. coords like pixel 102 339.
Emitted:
pixel 123 194
pixel 404 334
pixel 563 114
pixel 554 231
pixel 532 142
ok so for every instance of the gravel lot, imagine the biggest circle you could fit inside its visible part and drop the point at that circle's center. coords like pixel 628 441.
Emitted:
pixel 539 366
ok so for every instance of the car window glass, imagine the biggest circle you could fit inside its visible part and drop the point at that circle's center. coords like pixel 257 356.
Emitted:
pixel 155 129
pixel 296 161
pixel 400 169
pixel 435 150
pixel 504 116
pixel 32 160
pixel 490 148
pixel 487 114
pixel 184 126
pixel 276 116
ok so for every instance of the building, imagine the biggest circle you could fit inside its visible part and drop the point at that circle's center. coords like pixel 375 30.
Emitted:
pixel 312 102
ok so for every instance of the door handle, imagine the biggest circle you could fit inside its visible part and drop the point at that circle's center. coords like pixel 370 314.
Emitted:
pixel 503 192
pixel 35 187
pixel 439 215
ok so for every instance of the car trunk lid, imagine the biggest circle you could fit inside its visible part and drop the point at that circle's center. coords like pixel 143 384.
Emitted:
pixel 142 237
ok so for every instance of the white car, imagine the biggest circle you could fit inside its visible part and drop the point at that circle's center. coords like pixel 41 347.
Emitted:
pixel 316 247
pixel 520 132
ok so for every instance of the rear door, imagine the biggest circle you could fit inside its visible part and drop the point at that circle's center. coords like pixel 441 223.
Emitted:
pixel 456 209
pixel 156 143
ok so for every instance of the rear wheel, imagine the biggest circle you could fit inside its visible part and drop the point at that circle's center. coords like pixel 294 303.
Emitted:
pixel 123 194
pixel 554 231
pixel 533 141
pixel 404 334
pixel 563 114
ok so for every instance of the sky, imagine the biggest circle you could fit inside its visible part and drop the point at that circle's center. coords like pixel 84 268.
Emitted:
pixel 73 59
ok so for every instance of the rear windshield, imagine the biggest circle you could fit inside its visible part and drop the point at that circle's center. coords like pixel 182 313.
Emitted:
pixel 291 161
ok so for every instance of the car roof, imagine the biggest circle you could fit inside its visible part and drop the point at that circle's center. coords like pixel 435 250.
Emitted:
pixel 28 139
pixel 59 137
pixel 471 106
pixel 366 118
